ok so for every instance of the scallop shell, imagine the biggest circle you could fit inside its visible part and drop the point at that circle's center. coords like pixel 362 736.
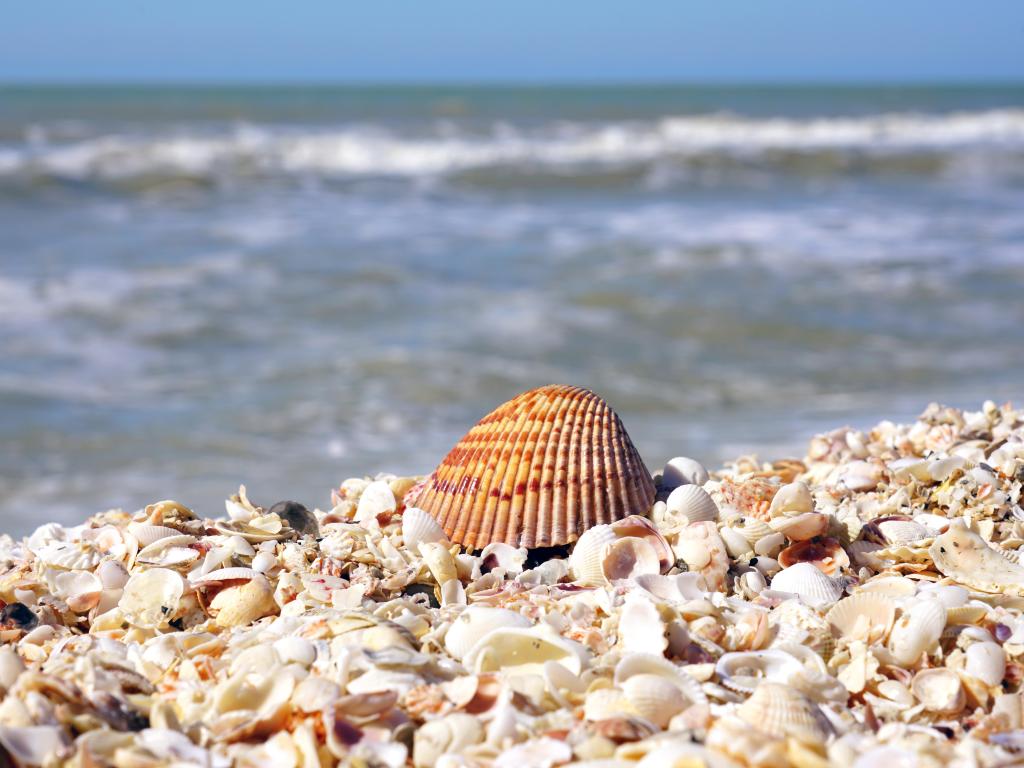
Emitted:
pixel 474 623
pixel 966 558
pixel 781 711
pixel 986 662
pixel 516 651
pixel 654 698
pixel 150 599
pixel 743 671
pixel 805 580
pixel 538 471
pixel 419 527
pixel 683 471
pixel 865 616
pixel 693 503
pixel 939 690
pixel 916 631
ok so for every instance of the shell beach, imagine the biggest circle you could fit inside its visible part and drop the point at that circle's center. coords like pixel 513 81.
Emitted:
pixel 862 605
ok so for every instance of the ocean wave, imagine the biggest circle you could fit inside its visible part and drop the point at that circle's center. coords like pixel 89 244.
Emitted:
pixel 556 148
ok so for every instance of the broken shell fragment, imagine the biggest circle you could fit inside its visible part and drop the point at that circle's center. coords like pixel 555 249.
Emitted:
pixel 515 651
pixel 866 616
pixel 474 623
pixel 965 557
pixel 939 690
pixel 824 553
pixel 538 471
pixel 917 631
pixel 150 598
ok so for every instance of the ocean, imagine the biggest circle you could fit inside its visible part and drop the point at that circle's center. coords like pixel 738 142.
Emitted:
pixel 288 286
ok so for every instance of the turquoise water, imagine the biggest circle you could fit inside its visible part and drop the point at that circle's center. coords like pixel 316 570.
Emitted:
pixel 288 286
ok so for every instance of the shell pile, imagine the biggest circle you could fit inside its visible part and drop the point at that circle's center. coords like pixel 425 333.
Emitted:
pixel 863 606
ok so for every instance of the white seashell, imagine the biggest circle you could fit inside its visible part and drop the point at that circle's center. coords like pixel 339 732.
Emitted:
pixel 903 531
pixel 743 671
pixel 917 631
pixel 967 558
pixel 693 503
pixel 783 712
pixel 606 703
pixel 935 524
pixel 753 529
pixel 940 469
pixel 263 562
pixel 791 499
pixel 641 628
pixel 911 467
pixel 986 662
pixel 11 667
pixel 813 587
pixel 150 598
pixel 736 544
pixel 683 471
pixel 770 545
pixel 629 557
pixel 587 557
pixel 866 616
pixel 376 499
pixel 34 744
pixel 146 533
pixel 674 588
pixel 800 527
pixel 520 651
pixel 654 697
pixel 419 527
pixel 500 555
pixel 227 574
pixel 939 690
pixel 476 622
pixel 447 735
pixel 645 663
pixel 295 650
pixel 439 562
pixel 80 590
pixel 950 595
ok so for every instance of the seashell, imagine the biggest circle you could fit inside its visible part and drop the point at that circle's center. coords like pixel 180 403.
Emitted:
pixel 891 586
pixel 986 662
pixel 792 499
pixel 966 558
pixel 966 614
pixel 447 735
pixel 501 555
pixel 244 603
pixel 703 550
pixel 654 697
pixel 682 471
pixel 800 527
pixel 646 663
pixel 226 574
pixel 825 553
pixel 628 558
pixel 112 574
pixel 736 544
pixel 693 503
pixel 753 529
pixel 476 622
pixel 263 562
pixel 80 590
pixel 33 744
pixel 376 499
pixel 674 588
pixel 11 667
pixel 418 527
pixel 941 469
pixel 146 534
pixel 641 628
pixel 783 712
pixel 642 528
pixel 297 517
pixel 586 561
pixel 538 471
pixel 866 616
pixel 804 579
pixel 916 631
pixel 902 531
pixel 605 703
pixel 169 550
pixel 743 671
pixel 769 545
pixel 295 650
pixel 247 705
pixel 440 562
pixel 911 467
pixel 939 690
pixel 150 598
pixel 515 651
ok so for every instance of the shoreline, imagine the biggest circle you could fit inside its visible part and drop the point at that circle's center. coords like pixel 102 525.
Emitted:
pixel 863 604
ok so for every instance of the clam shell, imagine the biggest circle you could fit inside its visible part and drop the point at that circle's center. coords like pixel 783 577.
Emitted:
pixel 693 503
pixel 418 527
pixel 986 662
pixel 800 527
pixel 628 558
pixel 683 471
pixel 792 499
pixel 805 580
pixel 743 671
pixel 516 651
pixel 939 690
pixel 825 553
pixel 783 712
pixel 967 558
pixel 244 603
pixel 916 631
pixel 538 471
pixel 647 663
pixel 865 616
pixel 474 623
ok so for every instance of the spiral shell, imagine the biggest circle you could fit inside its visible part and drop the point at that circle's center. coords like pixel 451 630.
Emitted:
pixel 538 471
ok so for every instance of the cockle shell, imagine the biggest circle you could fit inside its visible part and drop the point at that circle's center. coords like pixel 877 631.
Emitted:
pixel 654 697
pixel 781 711
pixel 967 558
pixel 146 534
pixel 916 631
pixel 866 616
pixel 807 581
pixel 418 527
pixel 939 690
pixel 693 503
pixel 474 623
pixel 743 671
pixel 538 471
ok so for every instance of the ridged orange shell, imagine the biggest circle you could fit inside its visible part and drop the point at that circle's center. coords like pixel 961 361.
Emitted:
pixel 537 472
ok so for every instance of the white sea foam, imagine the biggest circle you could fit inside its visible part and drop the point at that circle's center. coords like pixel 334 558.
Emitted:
pixel 374 151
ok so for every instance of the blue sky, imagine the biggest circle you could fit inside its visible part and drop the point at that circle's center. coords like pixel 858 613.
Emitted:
pixel 522 40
